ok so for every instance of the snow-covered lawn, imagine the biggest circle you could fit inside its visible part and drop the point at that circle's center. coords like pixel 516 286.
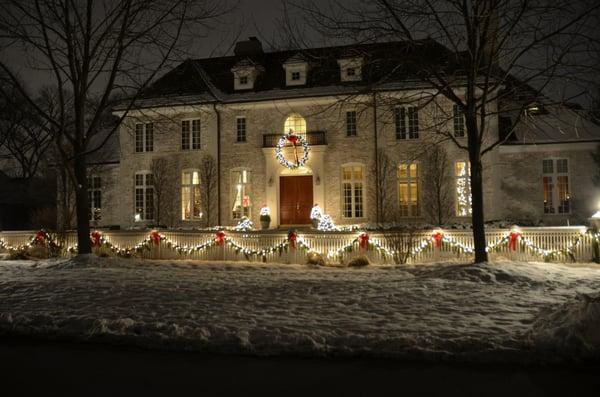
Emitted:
pixel 504 311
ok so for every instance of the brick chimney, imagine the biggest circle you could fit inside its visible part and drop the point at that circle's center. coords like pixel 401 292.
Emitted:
pixel 248 48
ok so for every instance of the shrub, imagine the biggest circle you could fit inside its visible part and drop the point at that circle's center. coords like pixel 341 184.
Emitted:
pixel 314 258
pixel 359 261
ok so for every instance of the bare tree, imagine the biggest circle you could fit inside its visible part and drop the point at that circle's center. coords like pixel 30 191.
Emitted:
pixel 208 187
pixel 163 179
pixel 384 169
pixel 480 55
pixel 93 51
pixel 438 203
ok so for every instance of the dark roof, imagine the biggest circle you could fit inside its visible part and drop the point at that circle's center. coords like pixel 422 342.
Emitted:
pixel 383 63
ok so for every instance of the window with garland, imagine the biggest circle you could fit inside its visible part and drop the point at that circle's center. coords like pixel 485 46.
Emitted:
pixel 241 190
pixel 463 188
pixel 190 195
pixel 557 195
pixel 408 189
pixel 144 196
pixel 352 191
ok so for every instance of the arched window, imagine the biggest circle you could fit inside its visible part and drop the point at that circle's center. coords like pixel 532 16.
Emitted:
pixel 296 123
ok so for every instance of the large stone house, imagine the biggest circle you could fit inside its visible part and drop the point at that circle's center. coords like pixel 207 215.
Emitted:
pixel 374 137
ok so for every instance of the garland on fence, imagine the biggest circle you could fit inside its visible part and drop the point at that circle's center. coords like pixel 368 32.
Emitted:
pixel 437 241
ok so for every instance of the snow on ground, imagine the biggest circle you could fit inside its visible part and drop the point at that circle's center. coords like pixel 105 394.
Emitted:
pixel 504 311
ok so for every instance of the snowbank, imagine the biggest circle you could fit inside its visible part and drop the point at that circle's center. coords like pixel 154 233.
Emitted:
pixel 504 311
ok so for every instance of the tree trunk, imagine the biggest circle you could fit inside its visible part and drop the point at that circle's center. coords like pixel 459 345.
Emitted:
pixel 84 245
pixel 477 208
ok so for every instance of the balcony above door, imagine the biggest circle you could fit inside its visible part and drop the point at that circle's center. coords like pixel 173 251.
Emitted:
pixel 313 138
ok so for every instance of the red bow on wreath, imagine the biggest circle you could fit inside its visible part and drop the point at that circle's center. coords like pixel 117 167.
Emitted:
pixel 437 239
pixel 513 239
pixel 292 237
pixel 40 237
pixel 363 241
pixel 220 238
pixel 95 237
pixel 155 237
pixel 293 139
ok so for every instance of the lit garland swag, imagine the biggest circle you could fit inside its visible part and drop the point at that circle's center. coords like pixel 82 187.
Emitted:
pixel 438 240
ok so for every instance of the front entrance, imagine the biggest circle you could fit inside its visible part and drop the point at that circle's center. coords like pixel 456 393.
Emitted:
pixel 295 199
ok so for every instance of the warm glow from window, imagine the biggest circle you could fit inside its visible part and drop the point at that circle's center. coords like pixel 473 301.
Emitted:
pixel 296 123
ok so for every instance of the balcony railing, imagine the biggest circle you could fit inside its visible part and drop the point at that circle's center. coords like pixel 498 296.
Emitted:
pixel 312 138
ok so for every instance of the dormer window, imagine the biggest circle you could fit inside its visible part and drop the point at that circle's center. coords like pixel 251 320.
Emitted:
pixel 296 70
pixel 245 74
pixel 350 69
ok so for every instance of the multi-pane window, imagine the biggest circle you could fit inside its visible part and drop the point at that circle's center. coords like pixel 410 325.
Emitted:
pixel 94 197
pixel 408 189
pixel 243 80
pixel 462 172
pixel 190 134
pixel 241 129
pixel 352 191
pixel 144 196
pixel 190 195
pixel 144 137
pixel 351 123
pixel 458 121
pixel 295 76
pixel 557 196
pixel 240 181
pixel 406 122
pixel 350 71
pixel 295 123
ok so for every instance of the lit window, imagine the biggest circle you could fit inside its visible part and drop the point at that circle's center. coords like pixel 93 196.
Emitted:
pixel 408 189
pixel 351 123
pixel 94 197
pixel 144 137
pixel 144 196
pixel 295 123
pixel 295 76
pixel 190 196
pixel 459 121
pixel 240 181
pixel 557 195
pixel 190 139
pixel 463 188
pixel 407 122
pixel 352 191
pixel 241 129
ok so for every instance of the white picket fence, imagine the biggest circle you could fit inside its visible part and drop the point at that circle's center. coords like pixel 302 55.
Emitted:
pixel 546 238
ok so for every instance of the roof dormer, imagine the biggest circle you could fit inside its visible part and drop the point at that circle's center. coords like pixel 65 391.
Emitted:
pixel 350 69
pixel 245 74
pixel 296 70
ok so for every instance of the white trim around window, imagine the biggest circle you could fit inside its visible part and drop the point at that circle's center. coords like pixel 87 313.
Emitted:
pixel 352 190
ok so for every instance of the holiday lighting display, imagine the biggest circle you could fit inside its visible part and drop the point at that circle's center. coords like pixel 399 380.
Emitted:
pixel 245 225
pixel 294 140
pixel 513 240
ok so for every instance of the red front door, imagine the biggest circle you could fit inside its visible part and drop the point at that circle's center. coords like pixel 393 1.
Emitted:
pixel 295 199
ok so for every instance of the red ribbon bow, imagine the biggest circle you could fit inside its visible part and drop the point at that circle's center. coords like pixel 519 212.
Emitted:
pixel 95 237
pixel 292 236
pixel 293 139
pixel 40 237
pixel 437 239
pixel 513 239
pixel 155 237
pixel 220 238
pixel 363 241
